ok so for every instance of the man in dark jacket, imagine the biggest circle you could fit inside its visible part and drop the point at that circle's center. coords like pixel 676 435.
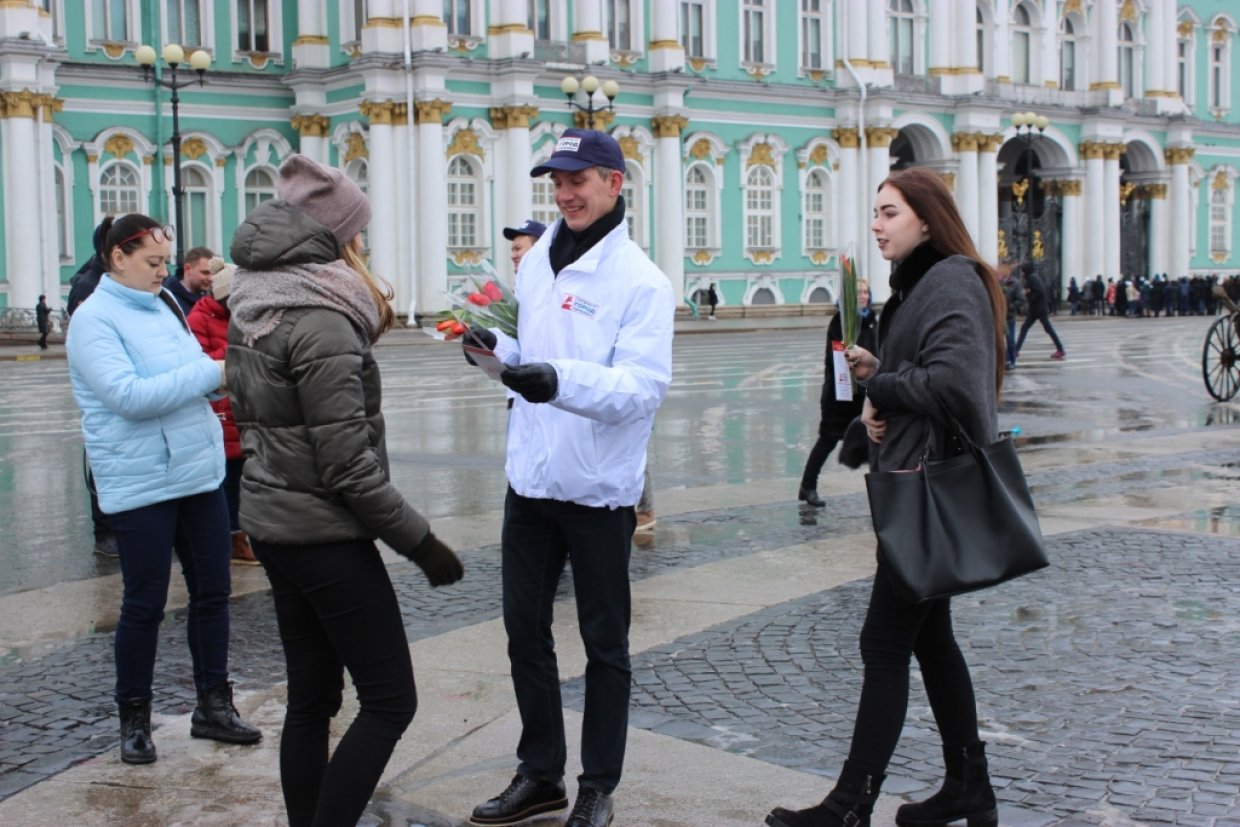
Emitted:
pixel 1039 311
pixel 195 281
pixel 42 317
pixel 86 279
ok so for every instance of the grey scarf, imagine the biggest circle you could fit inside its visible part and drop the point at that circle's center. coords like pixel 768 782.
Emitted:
pixel 260 297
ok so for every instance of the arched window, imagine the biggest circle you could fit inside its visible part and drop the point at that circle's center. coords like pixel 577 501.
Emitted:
pixel 814 209
pixel 463 204
pixel 1068 56
pixel 901 30
pixel 260 186
pixel 1127 59
pixel 1218 91
pixel 196 201
pixel 633 213
pixel 1220 217
pixel 540 19
pixel 981 42
pixel 698 201
pixel 64 224
pixel 119 190
pixel 358 171
pixel 456 14
pixel 1185 77
pixel 619 24
pixel 1022 45
pixel 543 197
pixel 760 209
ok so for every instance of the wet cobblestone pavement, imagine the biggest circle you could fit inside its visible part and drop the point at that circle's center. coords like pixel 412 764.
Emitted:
pixel 1125 649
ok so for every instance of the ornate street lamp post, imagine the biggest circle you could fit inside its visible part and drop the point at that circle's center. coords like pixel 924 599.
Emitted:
pixel 589 84
pixel 1026 188
pixel 174 56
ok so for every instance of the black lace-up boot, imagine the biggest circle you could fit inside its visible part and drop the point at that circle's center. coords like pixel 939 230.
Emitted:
pixel 136 744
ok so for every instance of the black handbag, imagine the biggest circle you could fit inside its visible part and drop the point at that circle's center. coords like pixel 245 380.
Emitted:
pixel 956 525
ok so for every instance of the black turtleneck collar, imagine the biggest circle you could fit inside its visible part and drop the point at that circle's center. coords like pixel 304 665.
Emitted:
pixel 905 277
pixel 568 246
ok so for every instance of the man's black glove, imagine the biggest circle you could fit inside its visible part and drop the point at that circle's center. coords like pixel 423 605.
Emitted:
pixel 437 561
pixel 537 382
pixel 476 336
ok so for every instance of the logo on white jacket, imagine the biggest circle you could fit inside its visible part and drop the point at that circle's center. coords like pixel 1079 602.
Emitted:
pixel 579 305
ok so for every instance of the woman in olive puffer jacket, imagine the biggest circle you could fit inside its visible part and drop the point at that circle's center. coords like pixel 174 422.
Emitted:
pixel 315 490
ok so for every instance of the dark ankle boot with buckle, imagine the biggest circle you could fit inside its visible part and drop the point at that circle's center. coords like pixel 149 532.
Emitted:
pixel 524 798
pixel 848 805
pixel 216 718
pixel 966 792
pixel 136 744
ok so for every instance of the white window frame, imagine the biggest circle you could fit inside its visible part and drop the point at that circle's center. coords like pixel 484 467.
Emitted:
pixel 708 214
pixel 247 190
pixel 1187 65
pixel 1218 67
pixel 710 30
pixel 1023 73
pixel 132 16
pixel 64 212
pixel 1075 39
pixel 823 18
pixel 822 215
pixel 206 18
pixel 140 190
pixel 778 148
pixel 760 221
pixel 275 32
pixel 350 27
pixel 984 34
pixel 1222 208
pixel 557 21
pixel 1130 81
pixel 637 26
pixel 767 9
pixel 210 203
pixel 635 205
pixel 477 179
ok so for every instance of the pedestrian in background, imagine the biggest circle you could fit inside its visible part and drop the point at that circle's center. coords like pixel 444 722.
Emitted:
pixel 835 413
pixel 941 334
pixel 523 239
pixel 1014 294
pixel 591 364
pixel 316 490
pixel 42 319
pixel 194 281
pixel 712 298
pixel 1037 311
pixel 209 323
pixel 157 450
pixel 83 283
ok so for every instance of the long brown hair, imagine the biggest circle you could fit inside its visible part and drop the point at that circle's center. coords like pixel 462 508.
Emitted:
pixel 379 289
pixel 933 203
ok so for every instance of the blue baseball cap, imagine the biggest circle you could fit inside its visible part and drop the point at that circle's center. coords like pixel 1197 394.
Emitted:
pixel 530 228
pixel 579 149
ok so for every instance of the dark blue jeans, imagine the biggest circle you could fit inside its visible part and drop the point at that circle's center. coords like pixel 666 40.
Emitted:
pixel 337 610
pixel 538 536
pixel 197 529
pixel 232 491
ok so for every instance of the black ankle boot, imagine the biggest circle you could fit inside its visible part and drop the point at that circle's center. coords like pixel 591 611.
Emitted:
pixel 966 792
pixel 810 496
pixel 216 718
pixel 136 744
pixel 848 805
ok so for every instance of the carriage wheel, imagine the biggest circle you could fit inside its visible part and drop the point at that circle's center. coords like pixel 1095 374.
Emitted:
pixel 1220 359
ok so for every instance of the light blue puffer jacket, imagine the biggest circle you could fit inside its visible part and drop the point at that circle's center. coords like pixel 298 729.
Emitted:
pixel 141 381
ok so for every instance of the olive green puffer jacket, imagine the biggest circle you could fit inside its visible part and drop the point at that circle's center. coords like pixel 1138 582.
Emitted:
pixel 306 398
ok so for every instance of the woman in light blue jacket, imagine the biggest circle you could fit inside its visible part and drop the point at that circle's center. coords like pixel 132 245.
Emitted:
pixel 157 452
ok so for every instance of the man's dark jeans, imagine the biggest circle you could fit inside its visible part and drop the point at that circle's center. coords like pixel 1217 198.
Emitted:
pixel 197 528
pixel 538 536
pixel 337 610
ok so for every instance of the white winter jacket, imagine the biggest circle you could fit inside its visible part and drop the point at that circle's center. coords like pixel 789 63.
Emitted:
pixel 605 325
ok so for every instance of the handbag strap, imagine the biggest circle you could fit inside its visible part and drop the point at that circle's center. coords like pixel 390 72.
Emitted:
pixel 950 420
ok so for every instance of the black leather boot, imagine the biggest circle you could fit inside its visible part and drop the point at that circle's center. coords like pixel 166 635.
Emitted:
pixel 216 718
pixel 848 805
pixel 966 792
pixel 810 496
pixel 521 800
pixel 136 744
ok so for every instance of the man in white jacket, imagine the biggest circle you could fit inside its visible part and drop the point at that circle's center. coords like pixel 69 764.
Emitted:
pixel 590 366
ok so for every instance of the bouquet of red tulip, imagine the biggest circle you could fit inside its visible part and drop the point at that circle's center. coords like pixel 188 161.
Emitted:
pixel 489 304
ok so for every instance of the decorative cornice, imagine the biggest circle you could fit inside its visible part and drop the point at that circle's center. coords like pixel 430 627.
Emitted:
pixel 193 148
pixel 880 136
pixel 847 137
pixel 311 40
pixel 311 126
pixel 1092 150
pixel 966 141
pixel 668 126
pixel 512 117
pixel 1156 191
pixel 1179 154
pixel 49 105
pixel 990 143
pixel 602 119
pixel 18 104
pixel 119 145
pixel 465 142
pixel 1111 152
pixel 431 111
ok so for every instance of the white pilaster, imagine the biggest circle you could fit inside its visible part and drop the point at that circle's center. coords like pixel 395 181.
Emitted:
pixel 1048 74
pixel 24 250
pixel 427 31
pixel 966 146
pixel 1166 28
pixel 433 218
pixel 852 224
pixel 940 40
pixel 588 31
pixel 509 35
pixel 1181 206
pixel 1110 211
pixel 1159 226
pixel 50 271
pixel 988 198
pixel 877 47
pixel 311 48
pixel 514 191
pixel 1105 54
pixel 1003 36
pixel 669 195
pixel 1070 251
pixel 401 277
pixel 1095 187
pixel 381 169
pixel 666 52
pixel 1156 43
pixel 856 44
pixel 879 166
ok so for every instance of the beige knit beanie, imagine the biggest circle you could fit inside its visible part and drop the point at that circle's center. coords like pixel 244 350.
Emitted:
pixel 326 195
pixel 221 279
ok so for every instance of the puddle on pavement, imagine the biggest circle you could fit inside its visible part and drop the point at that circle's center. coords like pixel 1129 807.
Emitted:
pixel 1222 521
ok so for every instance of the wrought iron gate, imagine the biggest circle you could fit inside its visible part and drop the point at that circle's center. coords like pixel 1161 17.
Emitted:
pixel 1030 231
pixel 1134 234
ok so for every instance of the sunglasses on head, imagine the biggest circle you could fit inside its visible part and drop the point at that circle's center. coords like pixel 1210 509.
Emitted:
pixel 167 233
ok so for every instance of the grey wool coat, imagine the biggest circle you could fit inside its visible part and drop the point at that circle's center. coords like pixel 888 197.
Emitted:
pixel 942 337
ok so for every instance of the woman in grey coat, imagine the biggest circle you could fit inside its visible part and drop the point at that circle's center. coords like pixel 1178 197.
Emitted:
pixel 942 329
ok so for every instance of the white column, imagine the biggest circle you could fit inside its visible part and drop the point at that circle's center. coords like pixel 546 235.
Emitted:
pixel 588 31
pixel 24 252
pixel 1159 259
pixel 965 144
pixel 1002 41
pixel 509 35
pixel 312 136
pixel 514 190
pixel 433 218
pixel 50 271
pixel 1105 37
pixel 666 52
pixel 311 48
pixel 1070 253
pixel 849 218
pixel 964 33
pixel 878 140
pixel 401 277
pixel 1155 50
pixel 427 31
pixel 877 48
pixel 856 45
pixel 1110 210
pixel 1181 208
pixel 988 198
pixel 669 196
pixel 1166 28
pixel 381 169
pixel 940 40
pixel 1049 43
pixel 1095 185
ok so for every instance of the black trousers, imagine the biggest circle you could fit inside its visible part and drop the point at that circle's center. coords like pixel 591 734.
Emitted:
pixel 892 632
pixel 1046 325
pixel 538 536
pixel 337 610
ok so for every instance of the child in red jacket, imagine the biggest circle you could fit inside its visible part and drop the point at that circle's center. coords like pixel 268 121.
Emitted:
pixel 209 323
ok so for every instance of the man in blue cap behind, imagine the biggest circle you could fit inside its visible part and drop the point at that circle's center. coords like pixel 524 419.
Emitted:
pixel 523 239
pixel 590 365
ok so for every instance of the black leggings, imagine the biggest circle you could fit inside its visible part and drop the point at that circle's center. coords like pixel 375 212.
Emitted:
pixel 337 610
pixel 817 458
pixel 892 632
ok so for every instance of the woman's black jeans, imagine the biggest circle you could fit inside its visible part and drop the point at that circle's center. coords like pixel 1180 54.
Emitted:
pixel 337 610
pixel 197 528
pixel 893 631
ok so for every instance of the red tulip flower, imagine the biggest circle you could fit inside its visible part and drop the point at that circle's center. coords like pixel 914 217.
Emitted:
pixel 480 299
pixel 492 291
